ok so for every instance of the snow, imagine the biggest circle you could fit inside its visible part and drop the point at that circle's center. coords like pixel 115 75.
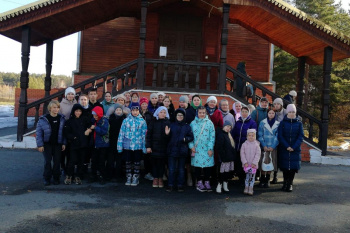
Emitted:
pixel 7 118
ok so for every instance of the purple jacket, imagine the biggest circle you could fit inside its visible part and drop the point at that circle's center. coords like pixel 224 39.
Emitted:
pixel 239 132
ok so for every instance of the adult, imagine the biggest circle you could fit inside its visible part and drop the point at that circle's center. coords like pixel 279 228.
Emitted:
pixel 127 99
pixel 93 99
pixel 195 102
pixel 107 102
pixel 67 103
pixel 236 110
pixel 260 113
pixel 280 111
pixel 290 136
pixel 290 97
pixel 225 110
pixel 161 96
pixel 190 114
pixel 267 136
pixel 241 83
pixel 170 107
pixel 214 113
pixel 153 103
pixel 134 98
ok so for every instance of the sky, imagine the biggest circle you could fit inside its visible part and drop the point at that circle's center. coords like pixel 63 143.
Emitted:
pixel 64 49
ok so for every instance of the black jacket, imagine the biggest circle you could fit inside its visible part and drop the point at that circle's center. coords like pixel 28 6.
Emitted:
pixel 115 123
pixel 147 116
pixel 156 139
pixel 190 114
pixel 226 151
pixel 171 112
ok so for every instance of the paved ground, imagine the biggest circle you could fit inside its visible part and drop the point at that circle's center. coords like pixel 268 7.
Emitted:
pixel 320 203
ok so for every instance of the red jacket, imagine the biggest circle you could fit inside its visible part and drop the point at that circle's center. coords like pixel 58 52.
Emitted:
pixel 217 119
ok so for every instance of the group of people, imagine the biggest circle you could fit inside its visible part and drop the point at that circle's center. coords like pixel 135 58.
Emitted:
pixel 208 144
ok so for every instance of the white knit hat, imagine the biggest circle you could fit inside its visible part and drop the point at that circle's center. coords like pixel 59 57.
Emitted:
pixel 291 108
pixel 212 98
pixel 69 90
pixel 251 131
pixel 278 101
pixel 153 95
pixel 293 93
pixel 161 93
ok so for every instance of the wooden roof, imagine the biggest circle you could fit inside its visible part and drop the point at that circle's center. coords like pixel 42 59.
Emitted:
pixel 273 20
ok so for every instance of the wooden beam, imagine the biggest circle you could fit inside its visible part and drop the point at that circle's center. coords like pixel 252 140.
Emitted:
pixel 301 74
pixel 142 54
pixel 223 55
pixel 48 81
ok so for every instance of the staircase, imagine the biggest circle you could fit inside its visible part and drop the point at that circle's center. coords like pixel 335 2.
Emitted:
pixel 176 77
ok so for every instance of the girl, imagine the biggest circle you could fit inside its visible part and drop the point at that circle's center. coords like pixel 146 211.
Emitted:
pixel 170 107
pixel 190 113
pixel 290 136
pixel 250 156
pixel 227 153
pixel 236 110
pixel 120 99
pixel 134 98
pixel 153 103
pixel 202 148
pixel 107 102
pixel 268 138
pixel 76 131
pixel 213 112
pixel 239 134
pixel 67 103
pixel 180 135
pixel 131 140
pixel 50 141
pixel 156 144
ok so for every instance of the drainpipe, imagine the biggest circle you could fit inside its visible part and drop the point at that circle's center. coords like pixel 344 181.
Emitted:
pixel 272 55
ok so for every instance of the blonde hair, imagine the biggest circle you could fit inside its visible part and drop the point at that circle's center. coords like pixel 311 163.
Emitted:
pixel 53 102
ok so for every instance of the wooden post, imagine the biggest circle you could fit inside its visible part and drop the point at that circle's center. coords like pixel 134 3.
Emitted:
pixel 142 54
pixel 49 49
pixel 327 67
pixel 24 80
pixel 301 83
pixel 223 56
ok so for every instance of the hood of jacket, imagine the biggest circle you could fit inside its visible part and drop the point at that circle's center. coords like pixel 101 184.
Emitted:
pixel 99 111
pixel 76 107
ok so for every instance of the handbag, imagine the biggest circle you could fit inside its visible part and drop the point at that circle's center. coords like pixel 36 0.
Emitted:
pixel 266 167
pixel 193 153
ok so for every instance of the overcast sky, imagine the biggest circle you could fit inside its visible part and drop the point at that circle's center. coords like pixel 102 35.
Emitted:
pixel 64 49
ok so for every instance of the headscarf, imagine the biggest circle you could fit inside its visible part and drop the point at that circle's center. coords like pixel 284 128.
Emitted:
pixel 156 113
pixel 237 114
pixel 200 104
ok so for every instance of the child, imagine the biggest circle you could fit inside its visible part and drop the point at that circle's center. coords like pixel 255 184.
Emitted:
pixel 131 140
pixel 50 141
pixel 115 122
pixel 76 131
pixel 180 135
pixel 250 156
pixel 134 98
pixel 153 103
pixel 226 155
pixel 156 144
pixel 101 141
pixel 202 148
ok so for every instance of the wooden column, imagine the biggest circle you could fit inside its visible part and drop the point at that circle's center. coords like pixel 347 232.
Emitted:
pixel 49 49
pixel 24 81
pixel 223 55
pixel 327 66
pixel 301 83
pixel 142 53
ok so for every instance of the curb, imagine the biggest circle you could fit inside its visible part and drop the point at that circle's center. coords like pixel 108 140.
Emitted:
pixel 317 158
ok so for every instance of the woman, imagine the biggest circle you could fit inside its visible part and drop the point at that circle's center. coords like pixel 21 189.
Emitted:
pixel 236 110
pixel 169 105
pixel 107 102
pixel 67 103
pixel 290 136
pixel 227 116
pixel 214 113
pixel 267 136
pixel 153 103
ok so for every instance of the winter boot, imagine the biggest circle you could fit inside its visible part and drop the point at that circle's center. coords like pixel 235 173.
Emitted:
pixel 207 186
pixel 246 188
pixel 68 180
pixel 267 181
pixel 200 186
pixel 262 181
pixel 250 191
pixel 189 180
pixel 284 186
pixel 218 188
pixel 225 187
pixel 155 183
pixel 128 179
pixel 274 180
pixel 135 180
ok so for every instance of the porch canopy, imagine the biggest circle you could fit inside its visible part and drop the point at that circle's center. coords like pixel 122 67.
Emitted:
pixel 274 20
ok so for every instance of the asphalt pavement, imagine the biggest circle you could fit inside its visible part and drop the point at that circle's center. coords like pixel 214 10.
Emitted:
pixel 320 202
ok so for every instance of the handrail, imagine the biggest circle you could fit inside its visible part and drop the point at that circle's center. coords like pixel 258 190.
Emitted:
pixel 180 62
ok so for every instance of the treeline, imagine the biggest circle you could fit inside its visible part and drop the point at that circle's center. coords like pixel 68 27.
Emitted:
pixel 286 65
pixel 36 81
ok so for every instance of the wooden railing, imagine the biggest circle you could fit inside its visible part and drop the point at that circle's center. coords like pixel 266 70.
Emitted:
pixel 122 78
pixel 312 125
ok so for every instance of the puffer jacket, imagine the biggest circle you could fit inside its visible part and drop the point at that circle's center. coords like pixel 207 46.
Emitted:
pixel 106 105
pixel 115 123
pixel 180 135
pixel 239 132
pixel 132 134
pixel 156 139
pixel 43 131
pixel 290 134
pixel 267 135
pixel 66 107
pixel 101 132
pixel 226 152
pixel 250 153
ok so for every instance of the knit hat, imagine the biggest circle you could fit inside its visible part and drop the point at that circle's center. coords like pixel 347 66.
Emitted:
pixel 134 106
pixel 251 131
pixel 161 93
pixel 183 98
pixel 117 106
pixel 120 96
pixel 69 90
pixel 212 98
pixel 143 100
pixel 153 95
pixel 264 99
pixel 278 101
pixel 291 108
pixel 227 123
pixel 293 93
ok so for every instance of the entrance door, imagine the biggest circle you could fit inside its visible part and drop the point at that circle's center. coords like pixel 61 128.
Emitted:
pixel 182 35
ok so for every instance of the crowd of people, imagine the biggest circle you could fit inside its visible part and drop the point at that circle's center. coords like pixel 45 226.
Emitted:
pixel 202 142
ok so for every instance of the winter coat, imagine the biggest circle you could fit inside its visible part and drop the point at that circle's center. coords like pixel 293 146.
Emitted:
pixel 259 114
pixel 268 136
pixel 132 134
pixel 106 105
pixel 115 123
pixel 171 112
pixel 190 114
pixel 280 115
pixel 74 129
pixel 151 108
pixel 180 135
pixel 226 151
pixel 250 153
pixel 217 119
pixel 66 108
pixel 43 131
pixel 229 117
pixel 206 142
pixel 239 132
pixel 156 139
pixel 147 116
pixel 288 98
pixel 91 105
pixel 290 134
pixel 101 131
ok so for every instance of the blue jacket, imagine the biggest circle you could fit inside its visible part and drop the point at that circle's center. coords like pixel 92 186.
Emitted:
pixel 239 132
pixel 101 134
pixel 43 131
pixel 259 114
pixel 290 134
pixel 267 135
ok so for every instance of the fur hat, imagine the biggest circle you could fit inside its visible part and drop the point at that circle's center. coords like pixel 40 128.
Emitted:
pixel 293 93
pixel 291 108
pixel 183 98
pixel 154 95
pixel 212 98
pixel 278 101
pixel 69 90
pixel 143 100
pixel 120 96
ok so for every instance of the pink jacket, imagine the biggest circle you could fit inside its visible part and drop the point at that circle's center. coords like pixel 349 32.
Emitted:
pixel 250 153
